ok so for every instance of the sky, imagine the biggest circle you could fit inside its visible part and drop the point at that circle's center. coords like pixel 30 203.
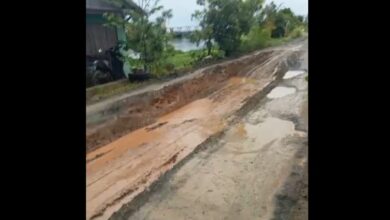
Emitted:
pixel 183 9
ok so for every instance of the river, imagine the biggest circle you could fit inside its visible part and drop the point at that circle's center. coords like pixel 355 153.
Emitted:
pixel 184 44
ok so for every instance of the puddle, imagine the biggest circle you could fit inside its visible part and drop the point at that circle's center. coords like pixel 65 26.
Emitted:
pixel 280 91
pixel 270 129
pixel 247 138
pixel 293 73
pixel 237 134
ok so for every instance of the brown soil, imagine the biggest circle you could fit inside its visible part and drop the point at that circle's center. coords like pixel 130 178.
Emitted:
pixel 145 108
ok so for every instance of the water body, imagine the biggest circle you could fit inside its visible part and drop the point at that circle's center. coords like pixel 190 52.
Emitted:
pixel 280 91
pixel 293 73
pixel 184 44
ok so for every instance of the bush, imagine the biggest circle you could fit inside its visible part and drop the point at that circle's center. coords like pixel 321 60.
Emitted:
pixel 297 32
pixel 278 32
pixel 257 38
pixel 197 56
pixel 217 53
pixel 163 69
pixel 170 67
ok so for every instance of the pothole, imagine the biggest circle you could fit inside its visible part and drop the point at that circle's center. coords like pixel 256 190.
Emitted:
pixel 280 91
pixel 293 73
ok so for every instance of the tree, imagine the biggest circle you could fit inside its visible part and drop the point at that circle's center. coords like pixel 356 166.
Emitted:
pixel 146 37
pixel 280 21
pixel 286 21
pixel 301 18
pixel 224 21
pixel 268 15
pixel 206 32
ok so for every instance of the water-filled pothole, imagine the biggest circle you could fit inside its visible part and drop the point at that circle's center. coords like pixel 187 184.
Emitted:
pixel 293 73
pixel 280 91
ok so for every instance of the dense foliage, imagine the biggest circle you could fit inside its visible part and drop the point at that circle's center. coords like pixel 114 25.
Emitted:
pixel 146 37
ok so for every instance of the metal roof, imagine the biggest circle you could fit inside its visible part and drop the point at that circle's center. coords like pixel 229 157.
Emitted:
pixel 104 5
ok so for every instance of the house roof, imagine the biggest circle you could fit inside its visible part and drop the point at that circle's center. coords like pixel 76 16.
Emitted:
pixel 105 5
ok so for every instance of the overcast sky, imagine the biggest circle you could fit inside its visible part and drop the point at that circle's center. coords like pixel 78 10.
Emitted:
pixel 182 9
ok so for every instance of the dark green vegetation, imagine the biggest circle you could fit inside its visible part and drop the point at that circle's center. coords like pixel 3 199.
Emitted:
pixel 146 37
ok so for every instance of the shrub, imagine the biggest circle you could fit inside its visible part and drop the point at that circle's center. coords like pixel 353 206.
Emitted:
pixel 256 39
pixel 297 32
pixel 170 67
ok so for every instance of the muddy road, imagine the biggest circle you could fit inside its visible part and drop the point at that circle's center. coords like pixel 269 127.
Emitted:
pixel 228 142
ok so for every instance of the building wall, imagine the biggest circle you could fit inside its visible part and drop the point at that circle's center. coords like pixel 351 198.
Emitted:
pixel 99 36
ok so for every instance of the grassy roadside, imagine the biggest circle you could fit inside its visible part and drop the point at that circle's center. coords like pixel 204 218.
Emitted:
pixel 101 92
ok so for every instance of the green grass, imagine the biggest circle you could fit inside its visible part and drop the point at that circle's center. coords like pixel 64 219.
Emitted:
pixel 185 60
pixel 181 60
pixel 277 41
pixel 102 92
